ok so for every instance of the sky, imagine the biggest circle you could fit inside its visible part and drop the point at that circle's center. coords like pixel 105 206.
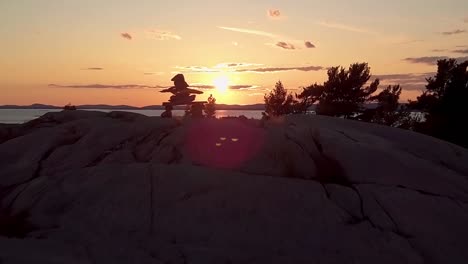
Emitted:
pixel 124 52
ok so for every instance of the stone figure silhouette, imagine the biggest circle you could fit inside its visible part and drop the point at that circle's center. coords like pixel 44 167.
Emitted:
pixel 182 95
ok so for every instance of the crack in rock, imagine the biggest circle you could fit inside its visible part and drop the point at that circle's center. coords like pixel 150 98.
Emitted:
pixel 176 157
pixel 347 136
pixel 38 171
pixel 108 152
pixel 330 171
pixel 153 184
pixel 140 142
pixel 422 192
pixel 162 137
pixel 353 218
pixel 397 229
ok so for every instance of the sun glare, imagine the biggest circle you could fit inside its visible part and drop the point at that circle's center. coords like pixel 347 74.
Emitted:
pixel 221 83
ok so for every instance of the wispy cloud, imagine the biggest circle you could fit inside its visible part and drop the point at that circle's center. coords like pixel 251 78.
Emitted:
pixel 344 27
pixel 244 87
pixel 431 60
pixel 240 87
pixel 382 37
pixel 439 50
pixel 236 64
pixel 221 67
pixel 245 67
pixel 408 81
pixel 454 32
pixel 462 51
pixel 309 45
pixel 153 73
pixel 258 94
pixel 93 69
pixel 282 69
pixel 126 35
pixel 251 31
pixel 107 86
pixel 162 35
pixel 285 45
pixel 197 69
pixel 410 41
pixel 279 41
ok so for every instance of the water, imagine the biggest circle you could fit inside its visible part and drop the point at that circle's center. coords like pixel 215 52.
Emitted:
pixel 19 116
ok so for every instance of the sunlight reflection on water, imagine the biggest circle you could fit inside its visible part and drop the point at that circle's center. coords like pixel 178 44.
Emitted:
pixel 19 116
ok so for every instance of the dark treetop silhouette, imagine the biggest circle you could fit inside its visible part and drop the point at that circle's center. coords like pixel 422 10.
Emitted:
pixel 182 95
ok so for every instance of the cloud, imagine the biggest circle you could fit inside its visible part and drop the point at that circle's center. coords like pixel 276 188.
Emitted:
pixel 256 94
pixel 245 67
pixel 309 45
pixel 404 76
pixel 196 69
pixel 408 81
pixel 221 67
pixel 438 50
pixel 106 86
pixel 162 35
pixel 464 51
pixel 454 32
pixel 274 13
pixel 236 64
pixel 344 27
pixel 409 41
pixel 285 45
pixel 432 60
pixel 126 35
pixel 251 31
pixel 153 73
pixel 243 87
pixel 290 43
pixel 93 69
pixel 239 87
pixel 425 60
pixel 282 69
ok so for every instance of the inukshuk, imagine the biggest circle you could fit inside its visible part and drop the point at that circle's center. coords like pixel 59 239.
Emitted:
pixel 182 95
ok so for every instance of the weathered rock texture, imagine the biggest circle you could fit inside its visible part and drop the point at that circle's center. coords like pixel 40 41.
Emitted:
pixel 90 187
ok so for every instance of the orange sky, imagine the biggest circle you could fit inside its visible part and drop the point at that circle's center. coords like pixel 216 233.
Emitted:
pixel 122 52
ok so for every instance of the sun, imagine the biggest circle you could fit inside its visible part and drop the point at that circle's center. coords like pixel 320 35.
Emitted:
pixel 221 84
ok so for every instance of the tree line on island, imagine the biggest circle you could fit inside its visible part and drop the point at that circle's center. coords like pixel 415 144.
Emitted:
pixel 438 112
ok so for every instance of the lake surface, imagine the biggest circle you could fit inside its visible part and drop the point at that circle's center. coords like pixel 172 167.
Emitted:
pixel 19 116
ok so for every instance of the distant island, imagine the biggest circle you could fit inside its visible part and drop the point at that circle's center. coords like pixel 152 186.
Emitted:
pixel 128 107
pixel 258 107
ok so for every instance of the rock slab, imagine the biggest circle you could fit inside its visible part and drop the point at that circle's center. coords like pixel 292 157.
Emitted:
pixel 92 187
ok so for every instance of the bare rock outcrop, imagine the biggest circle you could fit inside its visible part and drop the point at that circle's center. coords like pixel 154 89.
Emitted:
pixel 91 187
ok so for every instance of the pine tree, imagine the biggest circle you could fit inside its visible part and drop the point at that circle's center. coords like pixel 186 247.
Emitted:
pixel 344 93
pixel 210 107
pixel 278 102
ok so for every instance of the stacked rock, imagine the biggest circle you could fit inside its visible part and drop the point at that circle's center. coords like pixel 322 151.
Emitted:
pixel 182 95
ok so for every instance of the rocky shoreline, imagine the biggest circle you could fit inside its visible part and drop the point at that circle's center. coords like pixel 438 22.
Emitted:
pixel 92 187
